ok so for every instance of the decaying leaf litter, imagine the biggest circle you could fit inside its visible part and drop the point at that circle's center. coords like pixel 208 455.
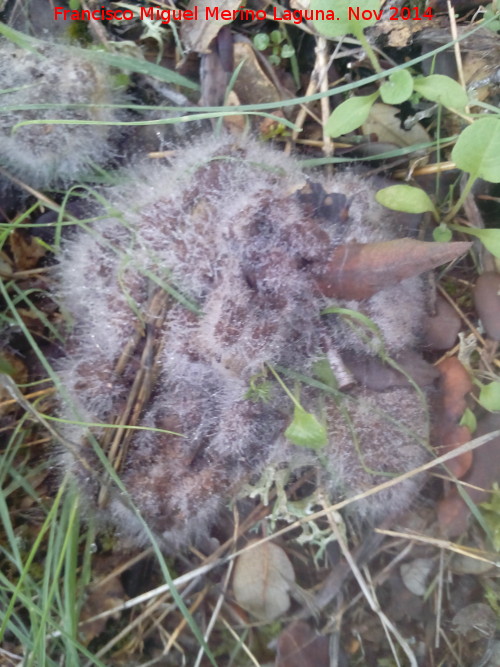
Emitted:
pixel 301 524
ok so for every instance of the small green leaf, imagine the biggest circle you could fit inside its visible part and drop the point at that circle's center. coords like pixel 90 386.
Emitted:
pixel 276 37
pixel 261 41
pixel 305 430
pixel 442 234
pixel 350 115
pixel 477 150
pixel 345 22
pixel 469 420
pixel 287 51
pixel 489 396
pixel 443 90
pixel 405 198
pixel 398 88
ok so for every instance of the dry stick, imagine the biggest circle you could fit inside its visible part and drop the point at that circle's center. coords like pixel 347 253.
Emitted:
pixel 439 598
pixel 215 614
pixel 322 58
pixel 456 48
pixel 374 605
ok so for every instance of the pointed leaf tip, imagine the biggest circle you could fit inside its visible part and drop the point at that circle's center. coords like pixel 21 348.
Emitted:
pixel 360 270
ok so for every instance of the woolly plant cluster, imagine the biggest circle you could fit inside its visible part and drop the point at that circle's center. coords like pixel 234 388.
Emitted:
pixel 54 82
pixel 207 273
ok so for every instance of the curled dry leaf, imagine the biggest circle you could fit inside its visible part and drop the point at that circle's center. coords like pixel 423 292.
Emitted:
pixel 197 35
pixel 487 302
pixel 300 646
pixel 453 512
pixel 262 579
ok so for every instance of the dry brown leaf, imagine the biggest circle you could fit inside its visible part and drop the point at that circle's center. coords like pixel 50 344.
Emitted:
pixel 262 579
pixel 447 433
pixel 453 512
pixel 359 270
pixel 455 385
pixel 252 85
pixel 100 597
pixel 300 646
pixel 25 250
pixel 198 35
pixel 383 123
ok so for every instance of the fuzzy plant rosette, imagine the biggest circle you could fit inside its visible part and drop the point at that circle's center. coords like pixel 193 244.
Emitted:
pixel 243 315
pixel 70 97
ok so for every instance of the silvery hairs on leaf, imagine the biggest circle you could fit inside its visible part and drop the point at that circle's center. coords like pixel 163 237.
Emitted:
pixel 49 83
pixel 245 239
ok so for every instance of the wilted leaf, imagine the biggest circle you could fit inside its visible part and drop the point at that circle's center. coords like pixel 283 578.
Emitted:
pixel 300 646
pixel 262 579
pixel 350 115
pixel 415 575
pixel 448 433
pixel 453 511
pixel 443 90
pixel 405 198
pixel 26 251
pixel 383 122
pixel 455 385
pixel 100 597
pixel 398 88
pixel 359 270
pixel 475 621
pixel 477 151
pixel 197 35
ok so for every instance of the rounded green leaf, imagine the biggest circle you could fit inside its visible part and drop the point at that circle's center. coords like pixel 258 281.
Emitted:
pixel 477 150
pixel 443 90
pixel 405 198
pixel 442 234
pixel 489 396
pixel 398 88
pixel 342 17
pixel 306 431
pixel 261 41
pixel 287 51
pixel 350 115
